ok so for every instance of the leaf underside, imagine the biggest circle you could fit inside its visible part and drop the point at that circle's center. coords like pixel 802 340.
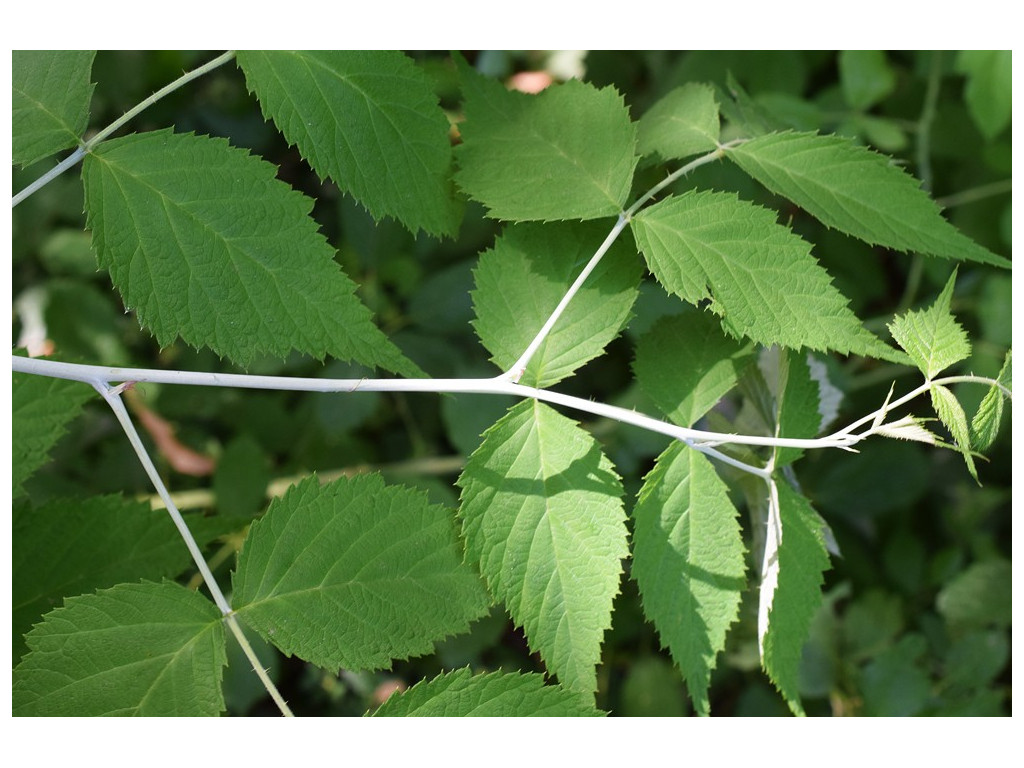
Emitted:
pixel 542 516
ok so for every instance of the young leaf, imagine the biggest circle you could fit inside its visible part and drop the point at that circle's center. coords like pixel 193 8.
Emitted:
pixel 932 338
pixel 566 153
pixel 370 121
pixel 688 562
pixel 520 281
pixel 681 123
pixel 498 694
pixel 989 89
pixel 355 574
pixel 985 424
pixel 542 515
pixel 952 415
pixel 206 243
pixel 68 547
pixel 795 559
pixel 705 365
pixel 51 95
pixel 135 649
pixel 760 277
pixel 41 408
pixel 857 191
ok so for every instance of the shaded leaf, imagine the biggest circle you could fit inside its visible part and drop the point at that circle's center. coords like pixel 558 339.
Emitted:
pixel 759 276
pixel 524 277
pixel 542 515
pixel 368 120
pixel 989 89
pixel 688 560
pixel 497 694
pixel 354 574
pixel 684 122
pixel 865 77
pixel 985 424
pixel 135 649
pixel 41 409
pixel 857 191
pixel 703 365
pixel 68 547
pixel 980 596
pixel 50 101
pixel 206 244
pixel 566 153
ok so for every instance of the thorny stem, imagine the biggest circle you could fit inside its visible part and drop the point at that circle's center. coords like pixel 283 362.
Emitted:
pixel 87 146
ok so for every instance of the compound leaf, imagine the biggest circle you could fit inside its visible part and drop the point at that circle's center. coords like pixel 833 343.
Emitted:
pixel 932 338
pixel 857 191
pixel 68 547
pixel 355 573
pixel 497 694
pixel 688 560
pixel 704 365
pixel 681 123
pixel 368 120
pixel 135 649
pixel 41 408
pixel 792 575
pixel 760 277
pixel 51 95
pixel 542 515
pixel 206 243
pixel 565 153
pixel 521 280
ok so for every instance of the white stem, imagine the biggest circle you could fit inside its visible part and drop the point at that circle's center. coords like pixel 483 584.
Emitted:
pixel 519 367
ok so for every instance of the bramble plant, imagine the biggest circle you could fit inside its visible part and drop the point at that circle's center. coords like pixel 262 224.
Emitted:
pixel 741 340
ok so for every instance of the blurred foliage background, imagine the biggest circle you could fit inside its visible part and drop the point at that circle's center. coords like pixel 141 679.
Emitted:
pixel 916 617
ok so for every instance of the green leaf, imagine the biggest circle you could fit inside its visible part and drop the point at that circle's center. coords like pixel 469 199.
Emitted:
pixel 857 191
pixel 524 277
pixel 542 515
pixel 681 123
pixel 566 153
pixel 51 95
pixel 760 277
pixel 980 596
pixel 932 338
pixel 68 547
pixel 368 120
pixel 797 397
pixel 866 77
pixel 989 90
pixel 952 415
pixel 795 561
pixel 985 424
pixel 355 573
pixel 241 478
pixel 205 243
pixel 497 694
pixel 688 560
pixel 135 649
pixel 41 408
pixel 703 365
